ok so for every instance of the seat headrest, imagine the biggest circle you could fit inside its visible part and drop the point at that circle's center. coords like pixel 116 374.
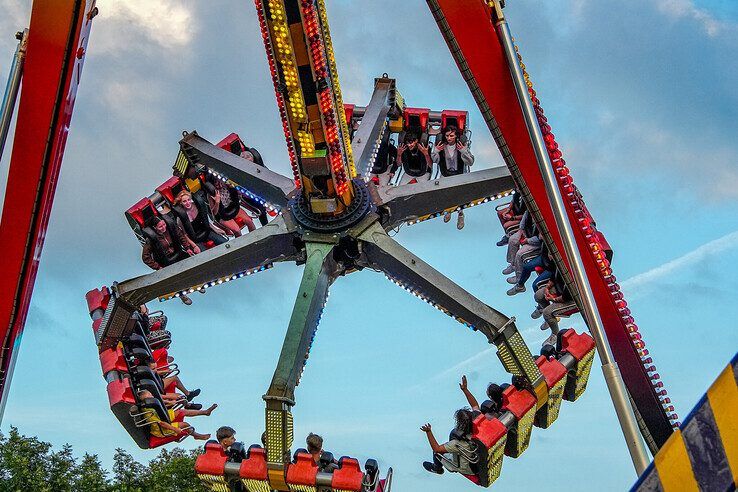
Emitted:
pixel 489 406
pixel 298 451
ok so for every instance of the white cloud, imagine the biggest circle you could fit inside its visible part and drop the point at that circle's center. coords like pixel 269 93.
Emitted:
pixel 678 9
pixel 167 23
pixel 720 245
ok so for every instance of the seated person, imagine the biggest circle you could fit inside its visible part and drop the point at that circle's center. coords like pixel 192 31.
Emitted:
pixel 415 159
pixel 168 244
pixel 324 460
pixel 551 298
pixel 177 427
pixel 452 158
pixel 225 206
pixel 512 216
pixel 249 155
pixel 513 244
pixel 193 215
pixel 457 455
pixel 385 164
pixel 167 381
pixel 529 245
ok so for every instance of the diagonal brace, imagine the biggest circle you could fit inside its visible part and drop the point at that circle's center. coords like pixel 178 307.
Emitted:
pixel 424 199
pixel 271 186
pixel 400 265
pixel 320 271
pixel 268 244
pixel 369 134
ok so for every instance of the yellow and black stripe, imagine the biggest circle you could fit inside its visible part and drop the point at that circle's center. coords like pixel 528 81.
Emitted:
pixel 702 455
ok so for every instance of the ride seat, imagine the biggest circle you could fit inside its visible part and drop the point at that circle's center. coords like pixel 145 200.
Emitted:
pixel 522 404
pixel 454 117
pixel 122 399
pixel 113 360
pixel 582 348
pixel 554 373
pixel 210 467
pixel 170 188
pixel 254 467
pixel 303 471
pixel 491 437
pixel 348 476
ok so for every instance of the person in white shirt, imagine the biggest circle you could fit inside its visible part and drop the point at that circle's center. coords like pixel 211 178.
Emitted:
pixel 452 158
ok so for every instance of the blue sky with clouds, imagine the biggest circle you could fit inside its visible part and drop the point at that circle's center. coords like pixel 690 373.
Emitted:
pixel 642 99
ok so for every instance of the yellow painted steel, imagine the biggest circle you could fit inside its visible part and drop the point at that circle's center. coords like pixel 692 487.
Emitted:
pixel 673 466
pixel 723 398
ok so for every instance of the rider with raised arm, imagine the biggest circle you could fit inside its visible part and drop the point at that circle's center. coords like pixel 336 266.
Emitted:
pixel 456 455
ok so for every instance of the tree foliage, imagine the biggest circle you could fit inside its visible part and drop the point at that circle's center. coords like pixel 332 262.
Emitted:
pixel 27 463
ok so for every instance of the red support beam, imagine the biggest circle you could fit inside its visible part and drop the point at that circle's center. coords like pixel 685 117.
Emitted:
pixel 474 42
pixel 57 42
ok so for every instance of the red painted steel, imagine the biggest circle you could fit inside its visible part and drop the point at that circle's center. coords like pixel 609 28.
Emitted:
pixel 479 44
pixel 57 42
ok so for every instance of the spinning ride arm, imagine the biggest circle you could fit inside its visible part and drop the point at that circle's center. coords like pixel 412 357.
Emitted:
pixel 300 54
pixel 268 185
pixel 422 280
pixel 264 246
pixel 320 271
pixel 369 135
pixel 428 199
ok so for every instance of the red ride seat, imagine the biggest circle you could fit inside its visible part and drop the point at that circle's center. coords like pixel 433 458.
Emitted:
pixel 582 348
pixel 490 436
pixel 348 476
pixel 522 404
pixel 303 471
pixel 212 461
pixel 554 373
pixel 254 467
pixel 113 360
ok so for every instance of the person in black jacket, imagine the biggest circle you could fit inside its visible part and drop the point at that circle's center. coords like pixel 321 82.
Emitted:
pixel 552 298
pixel 193 215
pixel 415 159
pixel 166 243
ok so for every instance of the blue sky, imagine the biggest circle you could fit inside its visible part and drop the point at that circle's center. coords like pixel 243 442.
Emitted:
pixel 642 103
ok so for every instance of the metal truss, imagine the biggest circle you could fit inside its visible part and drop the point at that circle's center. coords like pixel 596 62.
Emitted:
pixel 328 254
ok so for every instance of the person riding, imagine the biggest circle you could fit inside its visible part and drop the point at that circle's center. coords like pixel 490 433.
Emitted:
pixel 459 453
pixel 452 158
pixel 166 244
pixel 193 214
pixel 415 159
pixel 225 205
pixel 250 154
pixel 322 459
pixel 176 426
pixel 511 216
pixel 553 297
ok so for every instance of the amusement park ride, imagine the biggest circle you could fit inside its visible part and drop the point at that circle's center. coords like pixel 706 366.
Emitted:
pixel 331 218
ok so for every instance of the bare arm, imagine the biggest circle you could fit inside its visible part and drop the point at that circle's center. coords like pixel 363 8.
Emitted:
pixel 437 448
pixel 473 403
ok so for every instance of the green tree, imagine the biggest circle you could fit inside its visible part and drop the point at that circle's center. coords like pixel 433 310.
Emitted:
pixel 128 474
pixel 23 462
pixel 89 475
pixel 174 471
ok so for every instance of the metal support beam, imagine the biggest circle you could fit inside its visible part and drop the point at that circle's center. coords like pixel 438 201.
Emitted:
pixel 320 271
pixel 373 124
pixel 414 202
pixel 610 369
pixel 11 89
pixel 410 272
pixel 272 243
pixel 272 187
